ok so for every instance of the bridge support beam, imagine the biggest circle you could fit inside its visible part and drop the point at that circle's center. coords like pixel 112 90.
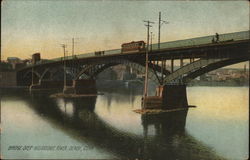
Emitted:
pixel 181 62
pixel 83 86
pixel 172 65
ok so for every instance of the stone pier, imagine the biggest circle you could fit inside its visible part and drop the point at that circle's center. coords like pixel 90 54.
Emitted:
pixel 174 96
pixel 83 86
pixel 167 97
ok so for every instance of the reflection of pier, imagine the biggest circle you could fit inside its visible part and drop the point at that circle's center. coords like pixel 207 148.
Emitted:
pixel 165 123
pixel 171 141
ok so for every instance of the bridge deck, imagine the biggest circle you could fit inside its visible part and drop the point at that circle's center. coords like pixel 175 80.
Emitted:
pixel 173 45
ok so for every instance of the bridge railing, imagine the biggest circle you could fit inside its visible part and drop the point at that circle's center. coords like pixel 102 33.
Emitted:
pixel 85 55
pixel 173 44
pixel 244 35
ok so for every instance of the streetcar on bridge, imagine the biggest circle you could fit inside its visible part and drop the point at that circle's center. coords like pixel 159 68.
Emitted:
pixel 134 46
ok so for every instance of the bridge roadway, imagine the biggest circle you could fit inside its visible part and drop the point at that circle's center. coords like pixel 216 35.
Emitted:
pixel 230 44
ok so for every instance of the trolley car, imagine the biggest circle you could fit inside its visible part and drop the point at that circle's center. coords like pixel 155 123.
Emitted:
pixel 133 47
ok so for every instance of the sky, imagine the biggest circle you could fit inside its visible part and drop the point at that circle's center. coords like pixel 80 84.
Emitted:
pixel 30 26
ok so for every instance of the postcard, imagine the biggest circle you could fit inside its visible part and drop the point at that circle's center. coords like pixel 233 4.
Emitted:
pixel 138 80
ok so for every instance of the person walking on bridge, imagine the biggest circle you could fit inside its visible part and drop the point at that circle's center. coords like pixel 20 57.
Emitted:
pixel 217 37
pixel 213 41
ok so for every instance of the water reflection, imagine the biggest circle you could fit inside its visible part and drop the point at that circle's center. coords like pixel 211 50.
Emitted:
pixel 77 118
pixel 118 96
pixel 169 140
pixel 165 124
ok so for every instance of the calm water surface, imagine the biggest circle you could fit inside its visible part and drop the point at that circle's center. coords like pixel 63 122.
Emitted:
pixel 105 127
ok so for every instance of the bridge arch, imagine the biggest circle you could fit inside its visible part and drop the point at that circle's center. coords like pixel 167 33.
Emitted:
pixel 199 67
pixel 45 72
pixel 30 77
pixel 32 72
pixel 51 72
pixel 93 70
pixel 211 67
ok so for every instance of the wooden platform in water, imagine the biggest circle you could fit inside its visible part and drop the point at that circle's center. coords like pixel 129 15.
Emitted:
pixel 158 111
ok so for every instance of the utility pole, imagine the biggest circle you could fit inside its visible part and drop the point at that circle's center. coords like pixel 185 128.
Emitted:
pixel 73 47
pixel 161 22
pixel 32 77
pixel 64 66
pixel 159 30
pixel 151 37
pixel 146 74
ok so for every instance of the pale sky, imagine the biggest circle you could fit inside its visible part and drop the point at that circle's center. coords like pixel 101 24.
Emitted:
pixel 30 26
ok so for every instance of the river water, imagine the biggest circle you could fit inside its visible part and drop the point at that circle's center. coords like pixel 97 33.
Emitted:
pixel 105 127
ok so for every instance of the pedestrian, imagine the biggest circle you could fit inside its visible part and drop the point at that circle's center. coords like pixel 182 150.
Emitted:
pixel 217 37
pixel 213 40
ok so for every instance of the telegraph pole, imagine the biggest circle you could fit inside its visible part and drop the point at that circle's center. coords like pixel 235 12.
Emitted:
pixel 146 74
pixel 161 22
pixel 64 66
pixel 151 37
pixel 73 46
pixel 159 30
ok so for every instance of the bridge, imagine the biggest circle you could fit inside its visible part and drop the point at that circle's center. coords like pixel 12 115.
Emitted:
pixel 195 56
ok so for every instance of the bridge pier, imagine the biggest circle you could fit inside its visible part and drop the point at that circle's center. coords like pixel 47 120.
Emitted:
pixel 82 86
pixel 174 96
pixel 168 97
pixel 48 85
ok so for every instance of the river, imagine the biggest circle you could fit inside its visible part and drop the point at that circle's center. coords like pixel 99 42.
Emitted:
pixel 105 127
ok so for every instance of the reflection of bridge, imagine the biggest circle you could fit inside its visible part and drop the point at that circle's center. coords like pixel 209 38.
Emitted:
pixel 85 125
pixel 195 56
